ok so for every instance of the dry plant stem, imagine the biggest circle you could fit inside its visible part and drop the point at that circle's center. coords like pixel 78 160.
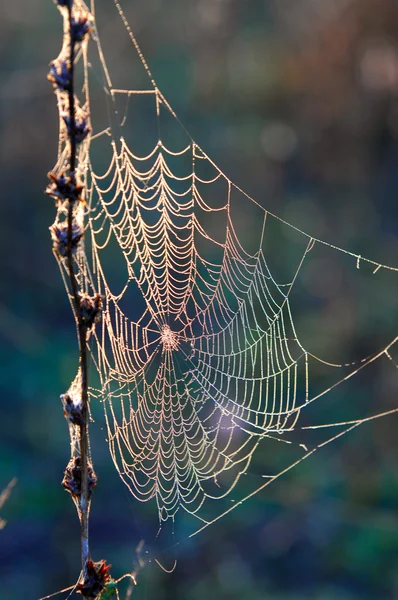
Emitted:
pixel 81 327
pixel 4 495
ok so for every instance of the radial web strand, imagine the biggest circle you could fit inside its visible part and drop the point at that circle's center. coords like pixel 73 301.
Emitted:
pixel 198 356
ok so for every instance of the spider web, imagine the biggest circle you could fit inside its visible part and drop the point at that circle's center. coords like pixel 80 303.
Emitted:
pixel 197 354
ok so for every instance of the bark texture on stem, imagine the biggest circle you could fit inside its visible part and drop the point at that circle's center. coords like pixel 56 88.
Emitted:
pixel 67 233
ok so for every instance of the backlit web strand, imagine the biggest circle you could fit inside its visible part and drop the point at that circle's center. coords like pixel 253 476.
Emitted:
pixel 237 357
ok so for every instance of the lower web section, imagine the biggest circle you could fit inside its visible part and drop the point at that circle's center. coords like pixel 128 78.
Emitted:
pixel 279 463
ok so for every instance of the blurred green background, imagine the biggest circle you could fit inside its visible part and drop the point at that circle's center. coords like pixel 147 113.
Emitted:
pixel 296 100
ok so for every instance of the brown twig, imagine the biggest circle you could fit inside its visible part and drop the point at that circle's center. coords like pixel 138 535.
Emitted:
pixel 81 326
pixel 5 494
pixel 67 234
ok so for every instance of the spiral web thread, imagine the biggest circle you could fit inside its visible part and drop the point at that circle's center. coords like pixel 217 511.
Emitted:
pixel 212 366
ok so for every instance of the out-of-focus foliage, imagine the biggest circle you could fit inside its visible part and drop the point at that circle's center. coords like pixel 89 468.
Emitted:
pixel 298 101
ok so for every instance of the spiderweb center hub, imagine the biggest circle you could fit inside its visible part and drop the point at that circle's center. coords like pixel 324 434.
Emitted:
pixel 169 339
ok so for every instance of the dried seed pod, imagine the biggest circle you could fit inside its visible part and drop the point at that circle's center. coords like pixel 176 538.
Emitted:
pixel 73 409
pixel 78 128
pixel 59 75
pixel 90 309
pixel 63 187
pixel 72 480
pixel 80 27
pixel 59 185
pixel 97 578
pixel 59 236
